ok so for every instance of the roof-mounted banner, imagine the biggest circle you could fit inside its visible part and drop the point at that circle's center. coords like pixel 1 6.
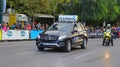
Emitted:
pixel 68 18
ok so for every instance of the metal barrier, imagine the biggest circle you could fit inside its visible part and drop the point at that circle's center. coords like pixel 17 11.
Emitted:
pixel 95 35
pixel 35 33
pixel 19 34
pixel 15 34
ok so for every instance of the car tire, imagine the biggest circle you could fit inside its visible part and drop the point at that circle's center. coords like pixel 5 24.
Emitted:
pixel 68 46
pixel 40 48
pixel 84 44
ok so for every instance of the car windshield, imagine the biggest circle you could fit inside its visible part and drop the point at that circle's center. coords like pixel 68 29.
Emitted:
pixel 61 26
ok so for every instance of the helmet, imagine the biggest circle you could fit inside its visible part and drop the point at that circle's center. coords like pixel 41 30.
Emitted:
pixel 108 25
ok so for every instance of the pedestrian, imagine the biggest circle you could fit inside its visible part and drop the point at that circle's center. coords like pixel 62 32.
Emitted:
pixel 28 26
pixel 38 25
pixel 114 31
pixel 13 26
pixel 5 28
pixel 46 26
pixel 118 30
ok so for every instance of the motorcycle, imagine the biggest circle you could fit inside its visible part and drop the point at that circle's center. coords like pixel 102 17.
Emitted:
pixel 107 38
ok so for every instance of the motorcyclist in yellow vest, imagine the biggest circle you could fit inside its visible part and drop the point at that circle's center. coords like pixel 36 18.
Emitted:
pixel 108 28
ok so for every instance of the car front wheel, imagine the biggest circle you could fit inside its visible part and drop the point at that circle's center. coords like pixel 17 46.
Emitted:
pixel 84 44
pixel 68 46
pixel 40 48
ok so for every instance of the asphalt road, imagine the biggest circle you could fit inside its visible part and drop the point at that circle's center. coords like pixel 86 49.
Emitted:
pixel 25 54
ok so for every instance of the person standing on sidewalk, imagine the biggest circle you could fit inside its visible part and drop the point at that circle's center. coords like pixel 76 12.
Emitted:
pixel 114 31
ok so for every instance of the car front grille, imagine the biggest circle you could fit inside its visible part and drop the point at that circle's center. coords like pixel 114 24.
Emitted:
pixel 48 37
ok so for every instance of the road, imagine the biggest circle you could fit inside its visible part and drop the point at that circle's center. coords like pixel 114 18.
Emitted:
pixel 25 54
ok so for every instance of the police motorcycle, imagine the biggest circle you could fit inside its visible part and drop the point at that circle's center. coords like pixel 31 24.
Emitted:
pixel 107 38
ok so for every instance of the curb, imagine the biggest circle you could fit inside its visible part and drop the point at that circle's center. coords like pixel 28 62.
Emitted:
pixel 17 40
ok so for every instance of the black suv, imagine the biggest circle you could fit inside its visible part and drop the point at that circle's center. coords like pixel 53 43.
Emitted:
pixel 63 35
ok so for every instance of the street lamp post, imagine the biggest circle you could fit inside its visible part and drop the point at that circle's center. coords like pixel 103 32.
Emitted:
pixel 54 10
pixel 82 11
pixel 1 11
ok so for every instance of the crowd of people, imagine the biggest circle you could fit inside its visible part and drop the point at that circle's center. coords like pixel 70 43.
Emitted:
pixel 19 26
pixel 44 26
pixel 100 30
pixel 40 25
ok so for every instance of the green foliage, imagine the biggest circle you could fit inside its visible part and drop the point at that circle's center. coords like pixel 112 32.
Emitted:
pixel 30 7
pixel 94 10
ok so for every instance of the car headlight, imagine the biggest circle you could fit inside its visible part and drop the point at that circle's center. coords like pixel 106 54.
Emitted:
pixel 38 36
pixel 62 37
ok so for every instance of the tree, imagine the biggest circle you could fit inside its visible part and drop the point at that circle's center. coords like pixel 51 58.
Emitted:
pixel 30 7
pixel 95 11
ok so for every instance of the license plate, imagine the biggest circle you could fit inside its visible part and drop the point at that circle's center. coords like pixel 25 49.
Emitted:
pixel 106 38
pixel 46 43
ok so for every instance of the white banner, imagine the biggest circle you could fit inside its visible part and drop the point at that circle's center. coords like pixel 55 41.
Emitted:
pixel 15 35
pixel 68 18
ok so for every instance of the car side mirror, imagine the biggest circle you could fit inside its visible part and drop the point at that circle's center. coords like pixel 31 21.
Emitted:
pixel 74 31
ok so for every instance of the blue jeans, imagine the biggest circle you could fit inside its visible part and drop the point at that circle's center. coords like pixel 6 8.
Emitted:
pixel 115 35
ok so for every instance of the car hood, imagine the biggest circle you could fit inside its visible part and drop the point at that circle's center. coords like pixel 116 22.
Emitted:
pixel 57 33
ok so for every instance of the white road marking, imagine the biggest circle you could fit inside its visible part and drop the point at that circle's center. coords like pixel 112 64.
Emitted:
pixel 83 55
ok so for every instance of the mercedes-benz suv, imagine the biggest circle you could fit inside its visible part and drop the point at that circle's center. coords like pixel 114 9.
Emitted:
pixel 64 35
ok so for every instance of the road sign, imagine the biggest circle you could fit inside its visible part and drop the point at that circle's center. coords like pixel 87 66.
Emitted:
pixel 68 18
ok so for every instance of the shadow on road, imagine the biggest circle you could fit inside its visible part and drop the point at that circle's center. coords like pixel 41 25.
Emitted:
pixel 58 50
